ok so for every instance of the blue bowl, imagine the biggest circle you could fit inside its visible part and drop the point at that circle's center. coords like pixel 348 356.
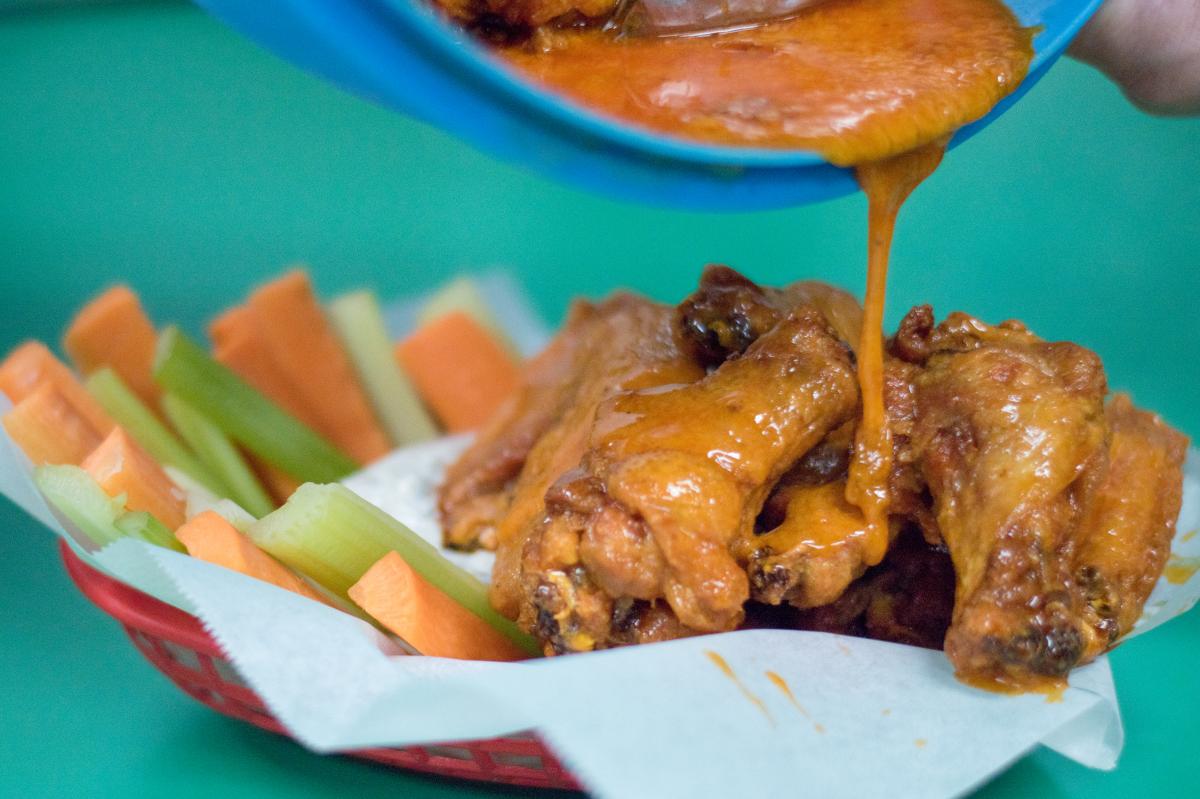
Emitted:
pixel 400 54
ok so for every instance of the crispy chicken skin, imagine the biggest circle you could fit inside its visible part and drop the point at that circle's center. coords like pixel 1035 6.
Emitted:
pixel 666 472
pixel 728 312
pixel 1009 432
pixel 672 478
pixel 632 344
pixel 1129 518
pixel 1057 511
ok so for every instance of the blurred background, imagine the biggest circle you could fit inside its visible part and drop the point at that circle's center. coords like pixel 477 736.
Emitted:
pixel 143 142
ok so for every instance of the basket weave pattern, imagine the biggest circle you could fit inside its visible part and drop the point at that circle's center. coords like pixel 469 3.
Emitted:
pixel 178 646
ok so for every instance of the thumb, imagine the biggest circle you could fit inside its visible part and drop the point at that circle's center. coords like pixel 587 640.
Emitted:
pixel 1150 48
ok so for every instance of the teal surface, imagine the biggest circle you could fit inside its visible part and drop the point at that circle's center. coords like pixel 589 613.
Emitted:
pixel 145 142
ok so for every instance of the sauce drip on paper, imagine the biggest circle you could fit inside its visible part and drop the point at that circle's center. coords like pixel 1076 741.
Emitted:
pixel 728 671
pixel 782 685
pixel 1180 570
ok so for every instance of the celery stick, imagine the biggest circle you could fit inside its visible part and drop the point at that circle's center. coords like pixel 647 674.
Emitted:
pixel 141 423
pixel 197 493
pixel 332 535
pixel 233 513
pixel 220 455
pixel 359 324
pixel 100 517
pixel 463 294
pixel 74 493
pixel 140 524
pixel 243 414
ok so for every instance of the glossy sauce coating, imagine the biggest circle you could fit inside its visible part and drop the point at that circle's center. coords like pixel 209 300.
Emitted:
pixel 855 80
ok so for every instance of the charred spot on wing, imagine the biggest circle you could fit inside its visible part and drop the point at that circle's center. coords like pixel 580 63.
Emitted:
pixel 496 30
pixel 624 615
pixel 724 316
pixel 546 627
pixel 705 338
pixel 769 583
pixel 1098 593
pixel 911 342
pixel 1051 649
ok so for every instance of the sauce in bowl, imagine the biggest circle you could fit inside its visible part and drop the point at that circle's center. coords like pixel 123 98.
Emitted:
pixel 854 80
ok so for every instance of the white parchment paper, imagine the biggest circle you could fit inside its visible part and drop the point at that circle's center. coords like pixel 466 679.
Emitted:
pixel 868 718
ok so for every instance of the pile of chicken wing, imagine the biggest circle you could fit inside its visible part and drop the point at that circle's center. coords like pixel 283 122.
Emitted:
pixel 669 471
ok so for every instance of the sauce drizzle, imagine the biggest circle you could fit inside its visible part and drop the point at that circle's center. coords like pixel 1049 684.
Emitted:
pixel 887 184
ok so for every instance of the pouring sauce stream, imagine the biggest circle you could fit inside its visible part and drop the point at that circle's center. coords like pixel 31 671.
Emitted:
pixel 887 184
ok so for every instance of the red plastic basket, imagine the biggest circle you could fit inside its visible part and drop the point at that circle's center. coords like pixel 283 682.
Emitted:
pixel 178 646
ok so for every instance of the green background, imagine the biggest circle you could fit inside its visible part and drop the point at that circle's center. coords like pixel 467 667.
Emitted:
pixel 146 143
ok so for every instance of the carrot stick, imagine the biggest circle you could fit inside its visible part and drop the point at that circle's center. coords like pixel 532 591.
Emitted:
pixel 403 601
pixel 120 466
pixel 459 370
pixel 50 429
pixel 30 365
pixel 230 325
pixel 112 330
pixel 238 346
pixel 304 347
pixel 208 536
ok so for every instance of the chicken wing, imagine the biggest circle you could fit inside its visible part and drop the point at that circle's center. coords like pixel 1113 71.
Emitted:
pixel 673 477
pixel 1129 518
pixel 812 542
pixel 1008 432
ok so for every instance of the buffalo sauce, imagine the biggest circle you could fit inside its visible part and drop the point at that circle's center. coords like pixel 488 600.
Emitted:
pixel 875 84
pixel 854 80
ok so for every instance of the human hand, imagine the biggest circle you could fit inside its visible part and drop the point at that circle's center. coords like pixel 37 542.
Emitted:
pixel 1150 48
